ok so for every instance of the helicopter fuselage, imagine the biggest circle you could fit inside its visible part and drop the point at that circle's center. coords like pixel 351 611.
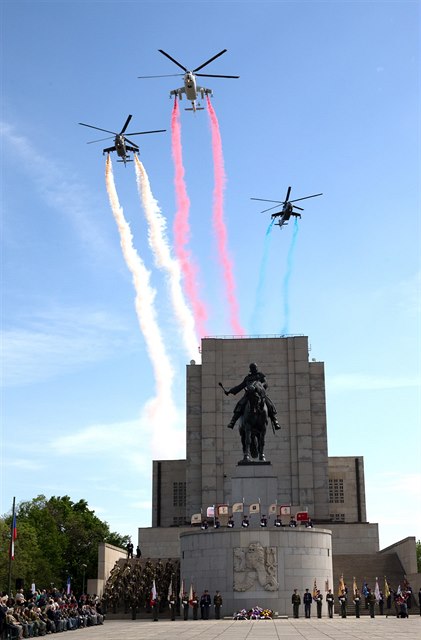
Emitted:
pixel 191 91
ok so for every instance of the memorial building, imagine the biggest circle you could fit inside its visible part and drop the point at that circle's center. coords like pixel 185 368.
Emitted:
pixel 259 565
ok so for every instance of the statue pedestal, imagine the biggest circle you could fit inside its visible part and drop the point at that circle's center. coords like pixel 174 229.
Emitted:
pixel 253 482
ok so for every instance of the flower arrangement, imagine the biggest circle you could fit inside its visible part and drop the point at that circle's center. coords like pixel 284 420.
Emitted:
pixel 257 613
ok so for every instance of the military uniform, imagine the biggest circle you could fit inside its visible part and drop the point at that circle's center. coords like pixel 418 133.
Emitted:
pixel 296 601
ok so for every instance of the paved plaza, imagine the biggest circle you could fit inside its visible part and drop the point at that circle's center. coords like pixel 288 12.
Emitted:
pixel 289 629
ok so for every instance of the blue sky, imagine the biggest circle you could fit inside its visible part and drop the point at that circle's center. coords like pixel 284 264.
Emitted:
pixel 328 101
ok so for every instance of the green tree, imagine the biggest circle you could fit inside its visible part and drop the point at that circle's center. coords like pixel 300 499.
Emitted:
pixel 56 537
pixel 419 555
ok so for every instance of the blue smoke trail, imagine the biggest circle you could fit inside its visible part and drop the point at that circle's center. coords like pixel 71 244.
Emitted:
pixel 262 277
pixel 290 256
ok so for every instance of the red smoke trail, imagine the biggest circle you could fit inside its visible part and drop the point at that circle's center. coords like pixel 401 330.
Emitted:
pixel 182 228
pixel 218 221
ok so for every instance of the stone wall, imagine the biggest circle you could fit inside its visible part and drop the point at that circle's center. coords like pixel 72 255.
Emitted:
pixel 256 567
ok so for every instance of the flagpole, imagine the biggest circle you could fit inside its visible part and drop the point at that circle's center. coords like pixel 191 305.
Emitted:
pixel 10 549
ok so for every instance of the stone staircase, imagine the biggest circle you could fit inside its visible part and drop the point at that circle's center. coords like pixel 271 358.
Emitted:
pixel 366 567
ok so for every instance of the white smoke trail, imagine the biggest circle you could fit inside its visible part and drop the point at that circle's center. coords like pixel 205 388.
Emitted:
pixel 163 260
pixel 160 409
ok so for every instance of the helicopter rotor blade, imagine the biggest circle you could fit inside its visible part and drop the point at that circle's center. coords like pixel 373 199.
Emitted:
pixel 126 124
pixel 132 143
pixel 214 75
pixel 173 60
pixel 288 194
pixel 270 208
pixel 100 140
pixel 294 206
pixel 167 75
pixel 265 200
pixel 139 133
pixel 210 60
pixel 99 129
pixel 306 197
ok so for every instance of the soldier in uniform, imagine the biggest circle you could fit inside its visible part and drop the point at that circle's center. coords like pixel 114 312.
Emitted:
pixel 296 601
pixel 307 599
pixel 217 601
pixel 186 604
pixel 371 600
pixel 357 602
pixel 195 605
pixel 330 598
pixel 319 600
pixel 342 602
pixel 254 376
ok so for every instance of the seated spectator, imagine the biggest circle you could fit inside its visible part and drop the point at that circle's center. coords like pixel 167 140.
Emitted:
pixel 13 624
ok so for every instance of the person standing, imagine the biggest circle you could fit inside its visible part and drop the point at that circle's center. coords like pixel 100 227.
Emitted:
pixel 419 600
pixel 172 601
pixel 138 552
pixel 357 602
pixel 296 601
pixel 186 604
pixel 194 605
pixel 371 601
pixel 330 599
pixel 342 602
pixel 381 603
pixel 217 601
pixel 307 599
pixel 155 606
pixel 205 603
pixel 319 600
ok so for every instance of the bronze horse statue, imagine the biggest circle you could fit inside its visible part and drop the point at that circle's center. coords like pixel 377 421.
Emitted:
pixel 253 422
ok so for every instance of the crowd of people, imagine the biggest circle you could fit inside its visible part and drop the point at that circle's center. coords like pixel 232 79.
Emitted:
pixel 397 602
pixel 44 612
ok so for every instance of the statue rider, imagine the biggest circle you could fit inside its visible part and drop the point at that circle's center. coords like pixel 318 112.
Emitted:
pixel 253 376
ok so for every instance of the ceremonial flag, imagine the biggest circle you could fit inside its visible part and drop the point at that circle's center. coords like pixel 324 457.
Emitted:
pixel 386 588
pixel 182 588
pixel 210 512
pixel 223 510
pixel 170 590
pixel 354 586
pixel 68 586
pixel 254 508
pixel 341 585
pixel 237 507
pixel 315 588
pixel 327 584
pixel 14 536
pixel 377 590
pixel 285 510
pixel 302 516
pixel 154 594
pixel 399 591
pixel 364 590
pixel 190 593
pixel 196 518
pixel 272 509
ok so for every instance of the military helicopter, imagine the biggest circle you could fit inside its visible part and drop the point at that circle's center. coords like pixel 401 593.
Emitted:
pixel 120 140
pixel 191 89
pixel 287 209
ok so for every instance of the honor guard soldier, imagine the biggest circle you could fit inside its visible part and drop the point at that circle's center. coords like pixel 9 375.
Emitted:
pixel 342 602
pixel 296 601
pixel 186 604
pixel 230 523
pixel 263 521
pixel 194 603
pixel 278 522
pixel 217 601
pixel 318 598
pixel 357 603
pixel 245 523
pixel 330 599
pixel 307 599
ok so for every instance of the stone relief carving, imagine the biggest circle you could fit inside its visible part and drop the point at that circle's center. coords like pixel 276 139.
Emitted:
pixel 255 563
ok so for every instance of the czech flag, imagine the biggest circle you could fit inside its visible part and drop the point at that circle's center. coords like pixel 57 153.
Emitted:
pixel 14 536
